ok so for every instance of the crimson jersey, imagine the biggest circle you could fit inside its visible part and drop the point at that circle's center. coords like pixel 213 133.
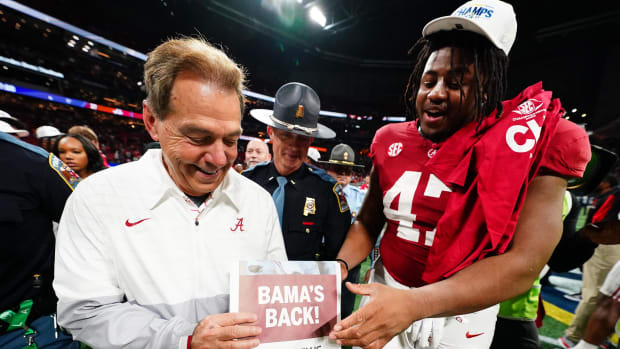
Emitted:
pixel 414 199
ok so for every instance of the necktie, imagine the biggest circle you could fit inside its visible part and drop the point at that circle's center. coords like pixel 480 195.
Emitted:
pixel 278 196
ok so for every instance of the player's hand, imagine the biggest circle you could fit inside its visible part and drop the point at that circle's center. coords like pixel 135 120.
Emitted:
pixel 387 313
pixel 228 330
pixel 604 233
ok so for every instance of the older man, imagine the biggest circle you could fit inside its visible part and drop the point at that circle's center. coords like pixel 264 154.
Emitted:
pixel 311 205
pixel 144 248
pixel 256 152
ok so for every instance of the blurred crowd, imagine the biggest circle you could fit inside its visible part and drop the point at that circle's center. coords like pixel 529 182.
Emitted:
pixel 119 139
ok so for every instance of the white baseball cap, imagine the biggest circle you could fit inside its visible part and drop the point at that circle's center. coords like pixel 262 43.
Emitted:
pixel 4 114
pixel 47 131
pixel 314 154
pixel 494 19
pixel 5 127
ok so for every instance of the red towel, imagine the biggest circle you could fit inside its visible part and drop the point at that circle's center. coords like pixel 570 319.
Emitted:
pixel 490 167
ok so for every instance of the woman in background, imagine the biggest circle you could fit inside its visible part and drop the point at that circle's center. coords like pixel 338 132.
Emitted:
pixel 79 154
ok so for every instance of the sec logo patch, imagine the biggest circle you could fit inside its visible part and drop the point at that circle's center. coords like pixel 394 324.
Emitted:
pixel 394 149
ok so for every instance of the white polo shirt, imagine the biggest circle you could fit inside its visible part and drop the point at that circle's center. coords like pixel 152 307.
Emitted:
pixel 138 264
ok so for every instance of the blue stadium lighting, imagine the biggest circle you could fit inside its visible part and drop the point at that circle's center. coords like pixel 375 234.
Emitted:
pixel 11 88
pixel 333 114
pixel 315 13
pixel 271 100
pixel 260 96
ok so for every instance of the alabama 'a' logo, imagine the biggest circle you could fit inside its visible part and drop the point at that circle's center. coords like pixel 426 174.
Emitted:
pixel 238 226
pixel 394 149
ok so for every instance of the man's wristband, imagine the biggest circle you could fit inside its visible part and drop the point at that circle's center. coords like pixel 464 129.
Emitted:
pixel 346 265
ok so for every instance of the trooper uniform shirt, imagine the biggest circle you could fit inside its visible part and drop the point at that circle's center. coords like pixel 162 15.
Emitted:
pixel 316 216
pixel 355 198
pixel 34 186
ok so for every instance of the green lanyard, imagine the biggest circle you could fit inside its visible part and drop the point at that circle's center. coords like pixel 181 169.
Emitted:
pixel 17 320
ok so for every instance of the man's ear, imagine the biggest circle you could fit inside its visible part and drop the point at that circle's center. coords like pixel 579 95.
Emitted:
pixel 150 121
pixel 270 131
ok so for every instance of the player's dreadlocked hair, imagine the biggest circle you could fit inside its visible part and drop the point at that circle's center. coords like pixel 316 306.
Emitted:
pixel 490 69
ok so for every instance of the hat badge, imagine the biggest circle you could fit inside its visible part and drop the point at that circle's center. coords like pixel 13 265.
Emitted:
pixel 300 111
pixel 345 156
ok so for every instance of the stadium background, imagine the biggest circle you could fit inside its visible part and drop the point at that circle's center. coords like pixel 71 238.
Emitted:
pixel 65 62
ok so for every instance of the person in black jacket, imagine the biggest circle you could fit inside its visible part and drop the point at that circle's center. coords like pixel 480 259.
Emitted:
pixel 34 186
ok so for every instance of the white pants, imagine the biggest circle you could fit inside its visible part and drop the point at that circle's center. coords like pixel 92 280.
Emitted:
pixel 469 331
pixel 611 285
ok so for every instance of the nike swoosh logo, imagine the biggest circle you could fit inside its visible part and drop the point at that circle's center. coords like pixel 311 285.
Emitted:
pixel 469 335
pixel 131 224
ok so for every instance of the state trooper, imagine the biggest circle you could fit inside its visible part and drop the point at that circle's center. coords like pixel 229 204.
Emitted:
pixel 312 207
pixel 340 166
pixel 34 185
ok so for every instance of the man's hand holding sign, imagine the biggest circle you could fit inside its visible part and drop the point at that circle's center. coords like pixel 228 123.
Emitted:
pixel 296 303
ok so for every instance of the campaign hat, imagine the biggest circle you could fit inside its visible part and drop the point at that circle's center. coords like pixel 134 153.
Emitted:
pixel 295 109
pixel 342 154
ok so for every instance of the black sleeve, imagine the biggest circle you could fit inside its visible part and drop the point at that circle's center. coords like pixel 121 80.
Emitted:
pixel 574 247
pixel 572 251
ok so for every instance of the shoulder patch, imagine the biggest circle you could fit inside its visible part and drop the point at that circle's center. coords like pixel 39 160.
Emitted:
pixel 65 172
pixel 342 200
